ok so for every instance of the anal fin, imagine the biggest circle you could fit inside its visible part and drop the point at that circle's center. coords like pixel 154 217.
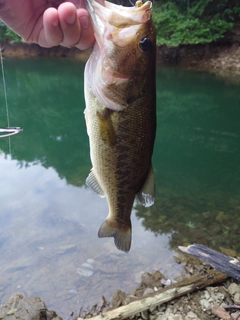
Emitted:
pixel 93 184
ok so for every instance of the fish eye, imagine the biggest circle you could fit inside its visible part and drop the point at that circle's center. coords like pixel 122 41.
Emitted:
pixel 145 44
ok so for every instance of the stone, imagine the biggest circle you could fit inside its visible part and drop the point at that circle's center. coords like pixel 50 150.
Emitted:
pixel 20 308
pixel 170 317
pixel 205 304
pixel 192 315
pixel 85 270
pixel 147 291
pixel 175 317
pixel 118 298
pixel 66 248
pixel 236 298
pixel 207 295
pixel 233 288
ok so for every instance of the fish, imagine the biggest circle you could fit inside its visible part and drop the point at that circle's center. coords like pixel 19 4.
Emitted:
pixel 120 112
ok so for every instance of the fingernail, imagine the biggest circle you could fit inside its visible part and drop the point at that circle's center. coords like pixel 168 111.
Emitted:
pixel 71 19
pixel 84 22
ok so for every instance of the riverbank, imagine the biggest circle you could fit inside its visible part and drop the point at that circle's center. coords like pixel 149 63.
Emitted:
pixel 215 57
pixel 219 301
pixel 210 57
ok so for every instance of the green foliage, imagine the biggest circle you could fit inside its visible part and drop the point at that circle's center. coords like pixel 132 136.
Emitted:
pixel 7 34
pixel 181 21
pixel 194 21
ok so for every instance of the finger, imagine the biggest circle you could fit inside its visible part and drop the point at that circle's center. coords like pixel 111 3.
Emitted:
pixel 69 24
pixel 87 36
pixel 52 31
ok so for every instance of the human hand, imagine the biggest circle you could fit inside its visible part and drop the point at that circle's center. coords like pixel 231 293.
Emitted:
pixel 49 22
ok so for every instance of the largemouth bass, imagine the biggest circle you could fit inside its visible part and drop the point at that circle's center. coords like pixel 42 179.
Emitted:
pixel 120 112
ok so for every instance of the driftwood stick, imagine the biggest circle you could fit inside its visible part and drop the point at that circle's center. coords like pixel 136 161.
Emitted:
pixel 167 294
pixel 217 260
pixel 233 307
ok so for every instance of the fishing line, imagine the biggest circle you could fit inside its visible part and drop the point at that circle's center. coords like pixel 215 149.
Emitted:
pixel 5 97
pixel 9 131
pixel 4 87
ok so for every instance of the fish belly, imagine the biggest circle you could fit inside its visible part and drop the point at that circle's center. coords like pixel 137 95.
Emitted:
pixel 121 146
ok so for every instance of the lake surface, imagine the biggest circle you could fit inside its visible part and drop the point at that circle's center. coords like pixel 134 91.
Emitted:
pixel 49 220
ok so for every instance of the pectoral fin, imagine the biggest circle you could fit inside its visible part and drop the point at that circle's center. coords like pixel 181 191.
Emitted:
pixel 147 193
pixel 93 184
pixel 106 127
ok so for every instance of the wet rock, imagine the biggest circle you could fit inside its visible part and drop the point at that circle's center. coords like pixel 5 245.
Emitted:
pixel 73 292
pixel 118 299
pixel 85 270
pixel 21 308
pixel 66 248
pixel 152 280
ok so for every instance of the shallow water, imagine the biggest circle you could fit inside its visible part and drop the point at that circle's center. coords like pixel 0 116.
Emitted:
pixel 49 220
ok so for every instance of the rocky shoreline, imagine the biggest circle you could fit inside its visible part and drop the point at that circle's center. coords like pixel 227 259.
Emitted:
pixel 215 57
pixel 218 58
pixel 220 301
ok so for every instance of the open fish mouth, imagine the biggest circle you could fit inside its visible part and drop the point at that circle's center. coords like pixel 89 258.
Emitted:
pixel 110 16
pixel 123 35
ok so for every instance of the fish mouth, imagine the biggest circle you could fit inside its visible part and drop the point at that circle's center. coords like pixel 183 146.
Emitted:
pixel 114 70
pixel 122 17
pixel 110 16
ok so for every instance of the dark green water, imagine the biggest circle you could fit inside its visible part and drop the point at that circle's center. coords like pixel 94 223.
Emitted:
pixel 49 220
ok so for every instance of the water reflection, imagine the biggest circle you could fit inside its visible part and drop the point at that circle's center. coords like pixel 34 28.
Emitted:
pixel 49 219
pixel 49 230
pixel 198 155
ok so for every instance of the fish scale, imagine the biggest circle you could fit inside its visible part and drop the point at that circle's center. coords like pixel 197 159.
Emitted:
pixel 121 116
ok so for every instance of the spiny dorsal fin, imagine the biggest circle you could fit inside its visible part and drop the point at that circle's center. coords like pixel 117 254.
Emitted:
pixel 147 193
pixel 93 184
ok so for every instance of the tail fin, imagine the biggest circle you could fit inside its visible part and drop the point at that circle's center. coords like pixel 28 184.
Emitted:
pixel 122 237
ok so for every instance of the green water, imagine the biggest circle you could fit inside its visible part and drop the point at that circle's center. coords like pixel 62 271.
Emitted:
pixel 49 220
